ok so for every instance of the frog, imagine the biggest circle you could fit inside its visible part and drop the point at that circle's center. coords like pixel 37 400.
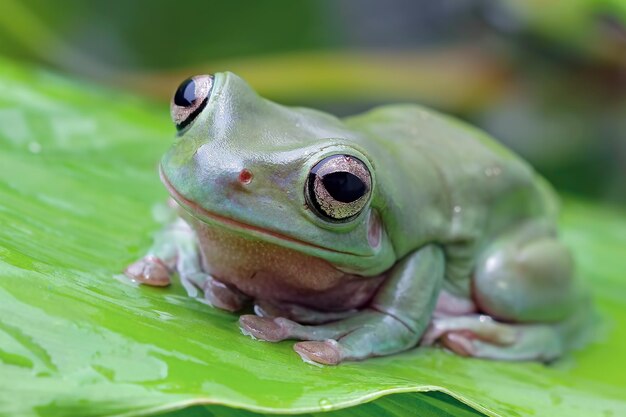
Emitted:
pixel 364 236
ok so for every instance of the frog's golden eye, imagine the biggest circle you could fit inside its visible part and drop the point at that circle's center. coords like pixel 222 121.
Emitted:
pixel 338 187
pixel 189 99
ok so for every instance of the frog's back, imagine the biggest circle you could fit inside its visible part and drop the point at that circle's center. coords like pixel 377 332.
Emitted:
pixel 483 187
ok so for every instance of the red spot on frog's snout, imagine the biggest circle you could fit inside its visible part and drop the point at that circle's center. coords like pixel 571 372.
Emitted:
pixel 245 176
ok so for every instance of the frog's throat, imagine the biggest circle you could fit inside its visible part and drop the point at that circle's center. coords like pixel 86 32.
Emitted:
pixel 271 236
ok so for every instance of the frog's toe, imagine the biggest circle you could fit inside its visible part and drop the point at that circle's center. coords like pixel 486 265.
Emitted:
pixel 478 326
pixel 270 330
pixel 222 296
pixel 460 343
pixel 326 352
pixel 149 270
pixel 533 343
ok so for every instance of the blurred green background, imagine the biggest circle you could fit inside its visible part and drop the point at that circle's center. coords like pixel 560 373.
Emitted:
pixel 547 78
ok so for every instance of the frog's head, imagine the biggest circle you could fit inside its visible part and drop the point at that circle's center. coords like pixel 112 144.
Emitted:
pixel 294 177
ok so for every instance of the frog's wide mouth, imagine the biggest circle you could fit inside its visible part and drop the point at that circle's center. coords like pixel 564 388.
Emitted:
pixel 271 236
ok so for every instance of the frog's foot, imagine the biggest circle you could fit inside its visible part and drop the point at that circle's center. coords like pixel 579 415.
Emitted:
pixel 449 304
pixel 299 313
pixel 482 337
pixel 216 293
pixel 369 333
pixel 223 296
pixel 150 270
pixel 480 326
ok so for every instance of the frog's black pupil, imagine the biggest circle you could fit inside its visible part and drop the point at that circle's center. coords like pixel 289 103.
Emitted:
pixel 186 93
pixel 344 186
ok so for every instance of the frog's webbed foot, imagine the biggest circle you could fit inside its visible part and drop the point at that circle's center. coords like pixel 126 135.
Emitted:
pixel 150 270
pixel 298 313
pixel 482 337
pixel 369 333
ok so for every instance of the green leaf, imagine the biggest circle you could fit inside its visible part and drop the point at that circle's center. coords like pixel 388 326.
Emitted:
pixel 78 183
pixel 427 404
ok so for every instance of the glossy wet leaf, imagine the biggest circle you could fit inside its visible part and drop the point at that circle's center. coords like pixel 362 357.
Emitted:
pixel 78 184
pixel 426 404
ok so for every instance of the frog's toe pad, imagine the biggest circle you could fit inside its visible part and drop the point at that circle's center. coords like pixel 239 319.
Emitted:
pixel 461 343
pixel 263 328
pixel 223 297
pixel 535 343
pixel 149 270
pixel 326 352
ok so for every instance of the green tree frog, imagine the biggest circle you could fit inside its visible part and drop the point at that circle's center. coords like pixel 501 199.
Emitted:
pixel 362 236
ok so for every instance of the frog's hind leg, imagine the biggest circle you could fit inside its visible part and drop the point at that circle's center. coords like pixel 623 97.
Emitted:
pixel 526 275
pixel 524 285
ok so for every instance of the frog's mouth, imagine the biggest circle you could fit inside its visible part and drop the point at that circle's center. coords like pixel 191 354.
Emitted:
pixel 207 216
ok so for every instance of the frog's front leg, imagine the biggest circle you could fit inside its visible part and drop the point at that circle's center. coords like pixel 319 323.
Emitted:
pixel 158 265
pixel 394 321
pixel 175 249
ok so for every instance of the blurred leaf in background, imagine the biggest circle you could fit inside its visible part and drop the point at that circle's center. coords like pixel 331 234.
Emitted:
pixel 592 30
pixel 546 78
pixel 567 111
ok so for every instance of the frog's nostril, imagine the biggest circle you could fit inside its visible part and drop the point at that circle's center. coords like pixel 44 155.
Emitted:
pixel 245 176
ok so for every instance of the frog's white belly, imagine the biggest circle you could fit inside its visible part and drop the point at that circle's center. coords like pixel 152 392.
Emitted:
pixel 266 271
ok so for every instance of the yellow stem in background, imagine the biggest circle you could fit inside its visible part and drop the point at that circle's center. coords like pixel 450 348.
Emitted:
pixel 455 78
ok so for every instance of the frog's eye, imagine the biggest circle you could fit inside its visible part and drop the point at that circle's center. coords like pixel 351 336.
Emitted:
pixel 338 187
pixel 189 99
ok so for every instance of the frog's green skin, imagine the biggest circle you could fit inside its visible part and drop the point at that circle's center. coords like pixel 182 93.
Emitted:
pixel 457 238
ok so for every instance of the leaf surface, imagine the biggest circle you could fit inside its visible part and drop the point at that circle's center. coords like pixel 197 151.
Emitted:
pixel 78 184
